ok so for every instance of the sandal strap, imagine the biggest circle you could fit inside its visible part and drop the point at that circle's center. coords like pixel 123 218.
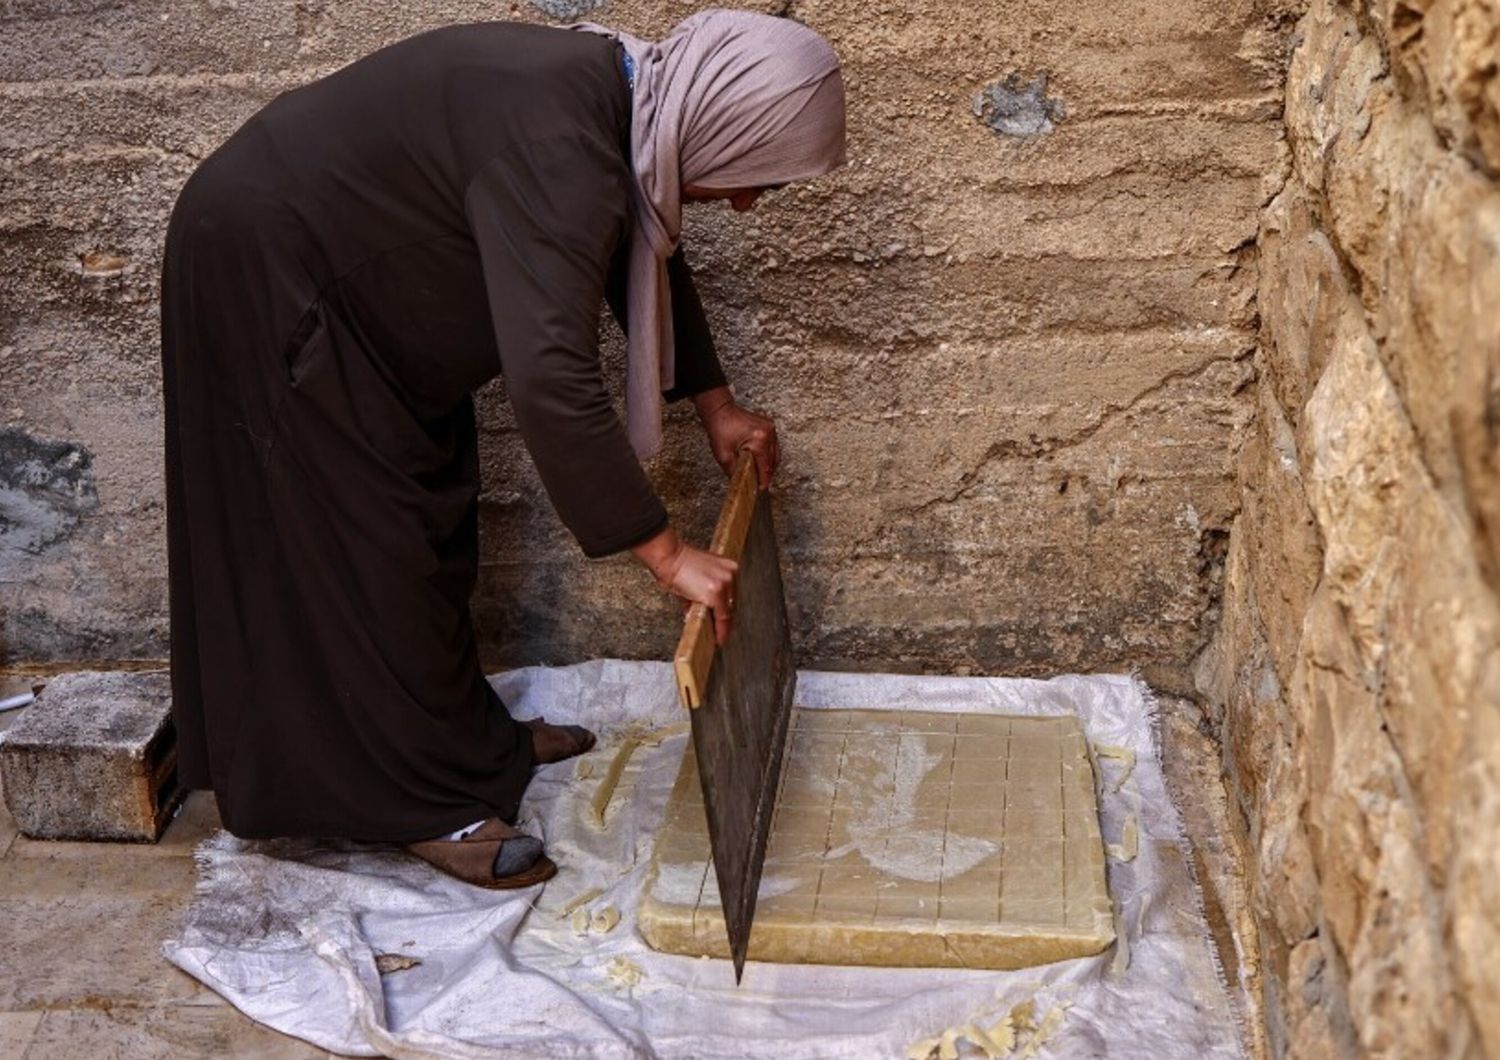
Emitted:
pixel 515 856
pixel 583 739
pixel 486 856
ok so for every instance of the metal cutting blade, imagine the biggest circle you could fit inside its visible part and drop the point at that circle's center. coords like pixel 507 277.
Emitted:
pixel 740 700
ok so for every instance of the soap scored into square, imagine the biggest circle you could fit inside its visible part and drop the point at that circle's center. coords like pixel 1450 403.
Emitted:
pixel 978 830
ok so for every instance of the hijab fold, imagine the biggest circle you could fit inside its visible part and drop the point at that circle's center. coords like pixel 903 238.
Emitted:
pixel 727 100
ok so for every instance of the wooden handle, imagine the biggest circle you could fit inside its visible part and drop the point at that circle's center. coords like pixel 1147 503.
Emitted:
pixel 695 651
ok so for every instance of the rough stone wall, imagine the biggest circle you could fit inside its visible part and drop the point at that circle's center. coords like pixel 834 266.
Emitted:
pixel 1357 671
pixel 1008 352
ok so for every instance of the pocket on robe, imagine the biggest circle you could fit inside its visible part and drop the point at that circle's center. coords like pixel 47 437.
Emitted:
pixel 306 348
pixel 307 340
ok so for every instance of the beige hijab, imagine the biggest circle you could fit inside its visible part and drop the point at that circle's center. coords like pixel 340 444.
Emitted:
pixel 729 99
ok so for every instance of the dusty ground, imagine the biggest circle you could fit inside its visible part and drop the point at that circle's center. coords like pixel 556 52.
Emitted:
pixel 81 972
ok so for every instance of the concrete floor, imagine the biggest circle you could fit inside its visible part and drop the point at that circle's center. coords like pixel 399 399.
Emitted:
pixel 81 972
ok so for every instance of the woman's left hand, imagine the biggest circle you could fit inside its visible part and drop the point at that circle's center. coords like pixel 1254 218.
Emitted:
pixel 731 428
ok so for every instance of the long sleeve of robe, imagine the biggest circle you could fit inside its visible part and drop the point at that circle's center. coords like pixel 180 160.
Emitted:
pixel 340 276
pixel 696 359
pixel 548 217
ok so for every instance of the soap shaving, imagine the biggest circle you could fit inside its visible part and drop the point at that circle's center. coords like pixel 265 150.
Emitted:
pixel 948 1044
pixel 585 921
pixel 995 1043
pixel 606 789
pixel 1048 1027
pixel 581 898
pixel 624 972
pixel 923 1049
pixel 986 1042
pixel 652 737
pixel 1003 1036
pixel 1130 841
pixel 1023 1015
pixel 1119 754
pixel 604 921
pixel 633 739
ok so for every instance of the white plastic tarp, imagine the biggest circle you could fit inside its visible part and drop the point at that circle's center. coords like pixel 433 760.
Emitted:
pixel 290 931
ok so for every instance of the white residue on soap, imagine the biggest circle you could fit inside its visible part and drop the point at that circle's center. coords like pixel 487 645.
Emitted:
pixel 883 828
pixel 679 884
pixel 773 885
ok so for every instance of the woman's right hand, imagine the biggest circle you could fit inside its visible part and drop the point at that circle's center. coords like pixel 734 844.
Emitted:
pixel 693 575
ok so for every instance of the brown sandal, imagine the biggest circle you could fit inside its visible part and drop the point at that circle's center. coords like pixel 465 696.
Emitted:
pixel 494 856
pixel 582 740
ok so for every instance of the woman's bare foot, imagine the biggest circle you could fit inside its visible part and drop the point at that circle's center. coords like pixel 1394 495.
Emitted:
pixel 553 743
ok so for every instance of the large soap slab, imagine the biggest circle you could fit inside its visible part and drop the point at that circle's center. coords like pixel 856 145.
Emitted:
pixel 904 838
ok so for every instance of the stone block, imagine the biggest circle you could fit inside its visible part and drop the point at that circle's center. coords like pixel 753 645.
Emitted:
pixel 1286 893
pixel 1367 550
pixel 1474 883
pixel 95 757
pixel 1363 472
pixel 1399 978
pixel 1444 342
pixel 1317 1017
pixel 1447 53
pixel 1284 547
pixel 1352 769
pixel 1301 311
pixel 1333 72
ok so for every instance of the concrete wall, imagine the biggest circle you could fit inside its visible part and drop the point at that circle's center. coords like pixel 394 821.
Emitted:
pixel 1008 369
pixel 1357 673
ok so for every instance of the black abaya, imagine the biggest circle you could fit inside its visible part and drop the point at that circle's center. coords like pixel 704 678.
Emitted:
pixel 340 277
